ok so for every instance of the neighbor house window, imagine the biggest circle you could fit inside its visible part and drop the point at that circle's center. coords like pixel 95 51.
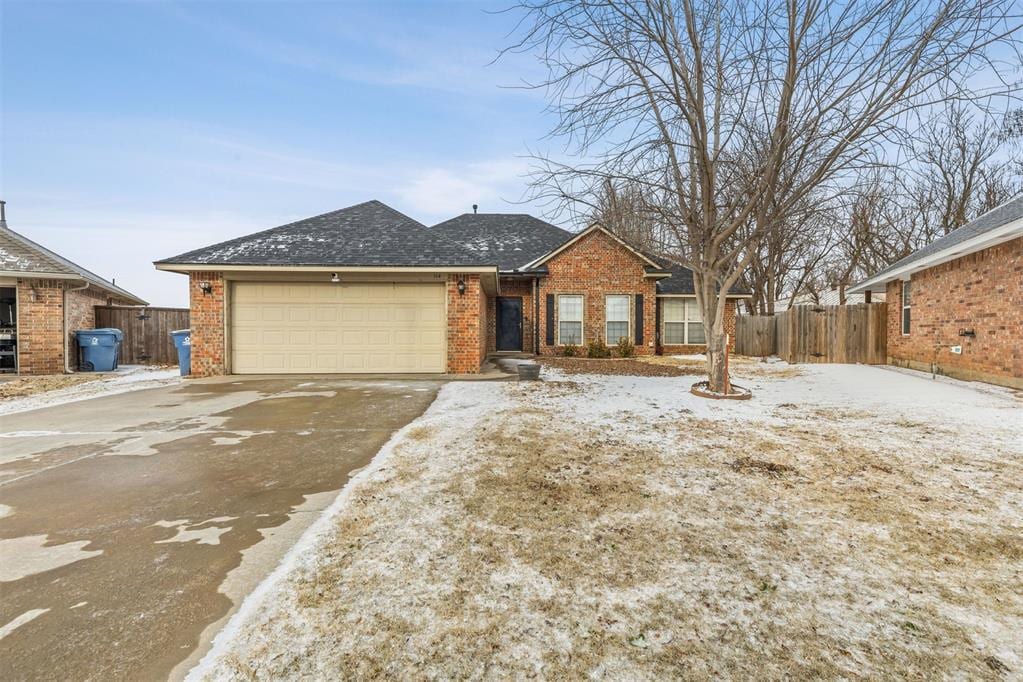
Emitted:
pixel 616 317
pixel 905 307
pixel 682 322
pixel 570 320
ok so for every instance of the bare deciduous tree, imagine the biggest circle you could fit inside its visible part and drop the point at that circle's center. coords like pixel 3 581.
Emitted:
pixel 961 166
pixel 627 211
pixel 733 113
pixel 960 172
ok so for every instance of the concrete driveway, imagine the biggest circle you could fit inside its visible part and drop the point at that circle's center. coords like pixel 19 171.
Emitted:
pixel 132 526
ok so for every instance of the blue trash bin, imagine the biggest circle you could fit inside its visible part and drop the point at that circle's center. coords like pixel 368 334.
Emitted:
pixel 183 343
pixel 99 349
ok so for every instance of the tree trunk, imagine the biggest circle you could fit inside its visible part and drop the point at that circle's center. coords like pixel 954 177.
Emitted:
pixel 717 367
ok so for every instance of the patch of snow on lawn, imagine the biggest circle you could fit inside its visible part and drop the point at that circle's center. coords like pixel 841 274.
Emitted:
pixel 850 521
pixel 136 379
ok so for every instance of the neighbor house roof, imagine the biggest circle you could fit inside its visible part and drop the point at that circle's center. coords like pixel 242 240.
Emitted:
pixel 22 257
pixel 367 234
pixel 827 297
pixel 511 240
pixel 1001 224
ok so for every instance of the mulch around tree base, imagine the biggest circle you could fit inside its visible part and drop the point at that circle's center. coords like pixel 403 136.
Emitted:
pixel 618 366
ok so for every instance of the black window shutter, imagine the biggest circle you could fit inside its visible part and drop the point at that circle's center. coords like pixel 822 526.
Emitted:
pixel 639 319
pixel 550 319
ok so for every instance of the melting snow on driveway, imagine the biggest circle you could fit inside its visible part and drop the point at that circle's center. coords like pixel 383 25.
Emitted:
pixel 28 555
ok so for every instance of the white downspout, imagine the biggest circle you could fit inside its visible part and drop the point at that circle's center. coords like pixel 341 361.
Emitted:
pixel 67 345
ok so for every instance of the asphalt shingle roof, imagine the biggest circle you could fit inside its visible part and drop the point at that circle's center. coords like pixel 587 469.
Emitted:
pixel 367 234
pixel 993 219
pixel 509 240
pixel 374 234
pixel 681 281
pixel 21 255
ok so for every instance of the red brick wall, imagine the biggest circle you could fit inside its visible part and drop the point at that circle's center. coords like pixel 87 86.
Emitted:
pixel 467 325
pixel 691 349
pixel 982 291
pixel 512 287
pixel 207 317
pixel 40 326
pixel 596 266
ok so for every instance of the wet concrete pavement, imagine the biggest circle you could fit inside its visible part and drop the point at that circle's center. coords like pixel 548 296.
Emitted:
pixel 131 526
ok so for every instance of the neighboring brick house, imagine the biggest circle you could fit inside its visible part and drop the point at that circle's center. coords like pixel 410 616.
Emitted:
pixel 956 306
pixel 367 289
pixel 44 298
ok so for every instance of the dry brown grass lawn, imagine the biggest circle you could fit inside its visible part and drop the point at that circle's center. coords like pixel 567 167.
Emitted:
pixel 26 386
pixel 508 536
pixel 741 366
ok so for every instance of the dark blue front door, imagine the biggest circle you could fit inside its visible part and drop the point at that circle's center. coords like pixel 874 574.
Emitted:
pixel 509 323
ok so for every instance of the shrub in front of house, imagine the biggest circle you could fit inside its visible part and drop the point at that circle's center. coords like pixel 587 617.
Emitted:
pixel 625 348
pixel 597 349
pixel 570 350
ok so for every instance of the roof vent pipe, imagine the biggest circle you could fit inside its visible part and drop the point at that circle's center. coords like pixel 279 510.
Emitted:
pixel 3 214
pixel 475 207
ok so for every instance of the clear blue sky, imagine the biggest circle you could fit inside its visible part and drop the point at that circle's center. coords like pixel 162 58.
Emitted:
pixel 133 131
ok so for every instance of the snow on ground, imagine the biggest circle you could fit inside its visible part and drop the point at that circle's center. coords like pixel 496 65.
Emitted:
pixel 847 521
pixel 133 379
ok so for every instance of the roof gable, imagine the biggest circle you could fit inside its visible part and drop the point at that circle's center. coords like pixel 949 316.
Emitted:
pixel 20 256
pixel 594 228
pixel 511 240
pixel 367 234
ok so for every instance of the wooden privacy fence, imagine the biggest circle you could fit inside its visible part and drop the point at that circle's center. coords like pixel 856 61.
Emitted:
pixel 831 333
pixel 147 338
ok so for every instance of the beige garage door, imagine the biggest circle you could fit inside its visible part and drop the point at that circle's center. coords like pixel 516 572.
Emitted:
pixel 337 328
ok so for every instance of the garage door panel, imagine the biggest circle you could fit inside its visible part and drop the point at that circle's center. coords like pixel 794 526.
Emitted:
pixel 353 338
pixel 296 328
pixel 272 313
pixel 327 338
pixel 299 313
pixel 355 363
pixel 326 313
pixel 353 313
pixel 434 338
pixel 274 337
pixel 300 337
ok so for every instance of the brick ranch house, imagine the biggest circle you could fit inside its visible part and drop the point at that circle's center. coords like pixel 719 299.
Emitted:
pixel 956 305
pixel 44 298
pixel 367 289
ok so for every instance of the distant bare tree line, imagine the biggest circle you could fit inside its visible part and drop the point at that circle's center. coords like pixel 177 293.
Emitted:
pixel 957 166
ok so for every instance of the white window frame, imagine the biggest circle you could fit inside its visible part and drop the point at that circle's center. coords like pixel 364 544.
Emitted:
pixel 685 322
pixel 627 320
pixel 906 328
pixel 582 319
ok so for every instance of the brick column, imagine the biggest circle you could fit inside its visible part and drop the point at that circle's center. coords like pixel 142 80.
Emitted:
pixel 466 325
pixel 207 321
pixel 40 326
